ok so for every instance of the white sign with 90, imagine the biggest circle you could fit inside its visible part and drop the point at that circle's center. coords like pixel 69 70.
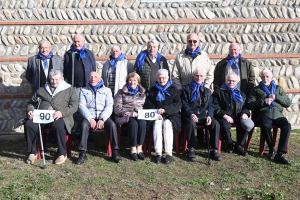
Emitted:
pixel 148 114
pixel 43 116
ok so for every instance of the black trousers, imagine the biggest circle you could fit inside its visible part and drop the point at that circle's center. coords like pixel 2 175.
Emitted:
pixel 285 129
pixel 137 131
pixel 57 127
pixel 109 125
pixel 214 130
pixel 240 132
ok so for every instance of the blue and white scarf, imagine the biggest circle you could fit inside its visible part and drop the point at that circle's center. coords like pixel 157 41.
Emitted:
pixel 194 53
pixel 234 62
pixel 162 91
pixel 141 59
pixel 81 51
pixel 131 90
pixel 96 87
pixel 265 88
pixel 45 59
pixel 113 61
pixel 196 89
pixel 236 95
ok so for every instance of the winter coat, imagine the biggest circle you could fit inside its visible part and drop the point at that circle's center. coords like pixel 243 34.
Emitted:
pixel 171 104
pixel 124 102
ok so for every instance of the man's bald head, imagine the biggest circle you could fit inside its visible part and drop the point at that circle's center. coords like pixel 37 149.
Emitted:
pixel 94 78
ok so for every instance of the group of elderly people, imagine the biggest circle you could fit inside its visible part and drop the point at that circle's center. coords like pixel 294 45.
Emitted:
pixel 180 96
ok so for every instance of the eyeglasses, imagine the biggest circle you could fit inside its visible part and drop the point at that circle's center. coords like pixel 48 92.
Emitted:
pixel 193 41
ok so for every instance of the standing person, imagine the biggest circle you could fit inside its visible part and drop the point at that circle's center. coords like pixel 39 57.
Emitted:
pixel 230 107
pixel 38 66
pixel 61 97
pixel 115 70
pixel 164 97
pixel 96 106
pixel 127 102
pixel 267 101
pixel 197 108
pixel 234 62
pixel 148 62
pixel 188 60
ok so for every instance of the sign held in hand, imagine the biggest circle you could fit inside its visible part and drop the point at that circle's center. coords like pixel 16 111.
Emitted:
pixel 43 116
pixel 148 114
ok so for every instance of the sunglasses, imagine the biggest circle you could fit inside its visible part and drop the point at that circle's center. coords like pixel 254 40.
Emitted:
pixel 193 41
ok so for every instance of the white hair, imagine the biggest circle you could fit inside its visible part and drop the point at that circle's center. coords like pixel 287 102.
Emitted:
pixel 153 41
pixel 233 74
pixel 265 70
pixel 43 42
pixel 115 46
pixel 234 44
pixel 54 72
pixel 162 72
pixel 199 69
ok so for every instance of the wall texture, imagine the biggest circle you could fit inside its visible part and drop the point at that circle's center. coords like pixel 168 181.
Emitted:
pixel 267 30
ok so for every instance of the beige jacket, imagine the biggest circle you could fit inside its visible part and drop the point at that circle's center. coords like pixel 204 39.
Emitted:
pixel 184 67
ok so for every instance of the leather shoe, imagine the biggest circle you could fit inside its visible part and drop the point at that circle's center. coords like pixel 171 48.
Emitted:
pixel 168 159
pixel 141 156
pixel 279 158
pixel 230 148
pixel 158 159
pixel 117 158
pixel 240 151
pixel 271 154
pixel 81 158
pixel 215 155
pixel 191 155
pixel 134 157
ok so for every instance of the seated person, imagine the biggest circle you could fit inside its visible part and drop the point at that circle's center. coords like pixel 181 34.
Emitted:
pixel 127 102
pixel 197 108
pixel 164 97
pixel 267 101
pixel 96 106
pixel 58 96
pixel 230 108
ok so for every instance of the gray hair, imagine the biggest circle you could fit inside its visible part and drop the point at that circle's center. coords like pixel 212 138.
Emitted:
pixel 43 42
pixel 153 41
pixel 233 74
pixel 115 46
pixel 162 72
pixel 54 72
pixel 264 71
pixel 199 69
pixel 234 44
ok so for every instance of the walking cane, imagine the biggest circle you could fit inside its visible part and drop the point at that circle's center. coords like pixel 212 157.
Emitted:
pixel 41 137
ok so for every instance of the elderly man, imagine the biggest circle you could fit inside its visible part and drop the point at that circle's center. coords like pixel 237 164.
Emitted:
pixel 58 96
pixel 230 108
pixel 234 62
pixel 96 106
pixel 197 108
pixel 188 60
pixel 148 62
pixel 38 66
pixel 267 101
pixel 115 71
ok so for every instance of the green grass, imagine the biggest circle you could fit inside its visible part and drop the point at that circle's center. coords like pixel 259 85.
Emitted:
pixel 235 177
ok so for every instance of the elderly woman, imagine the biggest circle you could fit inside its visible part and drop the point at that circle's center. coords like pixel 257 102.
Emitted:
pixel 126 103
pixel 148 62
pixel 164 97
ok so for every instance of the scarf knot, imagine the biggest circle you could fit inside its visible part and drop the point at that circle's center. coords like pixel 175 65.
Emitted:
pixel 233 63
pixel 194 53
pixel 113 61
pixel 96 87
pixel 45 59
pixel 131 90
pixel 269 92
pixel 236 95
pixel 196 89
pixel 141 59
pixel 162 91
pixel 81 52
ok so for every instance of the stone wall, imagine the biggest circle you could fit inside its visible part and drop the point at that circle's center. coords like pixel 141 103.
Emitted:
pixel 267 30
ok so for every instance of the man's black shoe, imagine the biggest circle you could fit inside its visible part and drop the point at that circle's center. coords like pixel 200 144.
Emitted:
pixel 230 148
pixel 215 155
pixel 117 158
pixel 168 159
pixel 191 155
pixel 81 158
pixel 158 159
pixel 240 151
pixel 141 156
pixel 279 158
pixel 134 157
pixel 271 154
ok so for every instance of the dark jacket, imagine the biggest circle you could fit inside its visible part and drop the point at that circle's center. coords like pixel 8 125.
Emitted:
pixel 202 106
pixel 246 74
pixel 257 102
pixel 89 66
pixel 172 105
pixel 124 102
pixel 34 67
pixel 224 104
pixel 145 72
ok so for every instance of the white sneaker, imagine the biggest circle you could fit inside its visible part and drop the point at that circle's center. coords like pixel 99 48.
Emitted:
pixel 60 160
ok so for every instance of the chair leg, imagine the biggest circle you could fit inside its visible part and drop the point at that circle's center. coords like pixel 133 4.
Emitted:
pixel 185 142
pixel 248 142
pixel 262 144
pixel 108 151
pixel 220 142
pixel 70 144
pixel 177 143
pixel 150 142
